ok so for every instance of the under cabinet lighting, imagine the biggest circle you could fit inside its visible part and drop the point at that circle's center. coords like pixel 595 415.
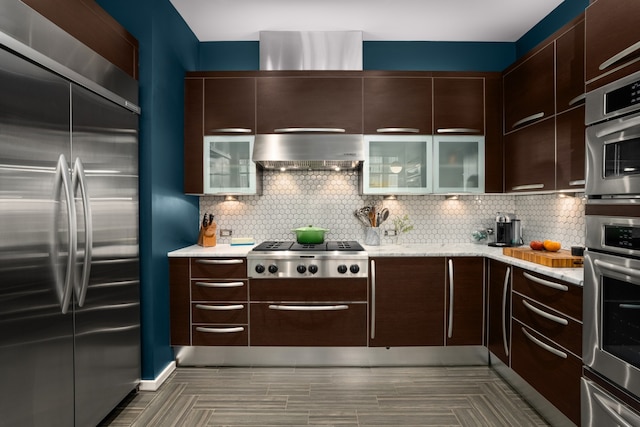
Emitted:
pixel 390 197
pixel 452 197
pixel 230 198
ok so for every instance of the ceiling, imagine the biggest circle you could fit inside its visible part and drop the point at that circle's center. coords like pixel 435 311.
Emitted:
pixel 393 20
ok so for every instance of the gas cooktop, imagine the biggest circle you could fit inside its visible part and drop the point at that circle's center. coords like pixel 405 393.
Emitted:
pixel 288 259
pixel 339 245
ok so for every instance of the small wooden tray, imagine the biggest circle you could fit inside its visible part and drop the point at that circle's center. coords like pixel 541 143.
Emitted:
pixel 560 259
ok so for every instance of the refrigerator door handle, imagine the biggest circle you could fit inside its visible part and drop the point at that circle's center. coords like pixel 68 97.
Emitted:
pixel 79 181
pixel 63 183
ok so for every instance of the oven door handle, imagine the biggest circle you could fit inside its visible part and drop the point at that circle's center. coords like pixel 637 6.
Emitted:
pixel 602 402
pixel 309 307
pixel 626 271
pixel 618 127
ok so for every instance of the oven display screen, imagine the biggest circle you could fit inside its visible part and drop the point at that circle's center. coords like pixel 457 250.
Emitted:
pixel 623 97
pixel 620 236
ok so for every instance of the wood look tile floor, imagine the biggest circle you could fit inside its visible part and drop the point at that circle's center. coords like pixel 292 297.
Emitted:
pixel 301 396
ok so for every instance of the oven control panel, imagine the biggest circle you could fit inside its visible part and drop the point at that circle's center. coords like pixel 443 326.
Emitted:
pixel 307 267
pixel 622 236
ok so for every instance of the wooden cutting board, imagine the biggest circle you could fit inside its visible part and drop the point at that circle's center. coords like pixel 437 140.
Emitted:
pixel 560 259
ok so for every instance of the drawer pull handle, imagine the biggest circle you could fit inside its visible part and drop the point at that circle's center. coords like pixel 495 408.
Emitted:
pixel 577 99
pixel 398 130
pixel 619 56
pixel 220 284
pixel 220 330
pixel 309 130
pixel 309 307
pixel 546 315
pixel 230 130
pixel 219 261
pixel 527 187
pixel 544 346
pixel 373 299
pixel 505 288
pixel 451 291
pixel 219 307
pixel 546 283
pixel 528 119
pixel 602 402
pixel 457 130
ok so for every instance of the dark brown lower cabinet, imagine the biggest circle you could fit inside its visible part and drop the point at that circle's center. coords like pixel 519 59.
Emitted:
pixel 406 301
pixel 465 301
pixel 308 312
pixel 499 309
pixel 309 325
pixel 550 369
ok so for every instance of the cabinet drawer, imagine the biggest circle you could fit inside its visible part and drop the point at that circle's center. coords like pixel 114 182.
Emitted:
pixel 557 378
pixel 227 313
pixel 554 293
pixel 219 268
pixel 220 335
pixel 552 324
pixel 309 290
pixel 315 325
pixel 219 290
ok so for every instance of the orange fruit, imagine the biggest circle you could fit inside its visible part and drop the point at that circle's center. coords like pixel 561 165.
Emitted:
pixel 551 245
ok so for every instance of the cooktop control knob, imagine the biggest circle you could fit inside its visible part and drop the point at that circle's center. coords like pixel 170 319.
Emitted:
pixel 301 269
pixel 313 269
pixel 273 269
pixel 260 268
pixel 354 268
pixel 342 269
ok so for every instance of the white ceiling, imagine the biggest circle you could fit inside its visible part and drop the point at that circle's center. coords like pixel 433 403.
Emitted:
pixel 399 20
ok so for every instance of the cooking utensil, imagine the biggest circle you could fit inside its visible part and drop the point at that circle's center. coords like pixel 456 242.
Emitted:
pixel 310 234
pixel 372 218
pixel 384 215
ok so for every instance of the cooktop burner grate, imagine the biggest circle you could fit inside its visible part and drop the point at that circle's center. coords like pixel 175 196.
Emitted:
pixel 274 246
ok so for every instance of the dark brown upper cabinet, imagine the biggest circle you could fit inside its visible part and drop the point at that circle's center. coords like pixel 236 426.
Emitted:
pixel 529 90
pixel 397 103
pixel 229 105
pixel 193 135
pixel 303 100
pixel 88 22
pixel 458 105
pixel 612 41
pixel 570 149
pixel 530 158
pixel 570 68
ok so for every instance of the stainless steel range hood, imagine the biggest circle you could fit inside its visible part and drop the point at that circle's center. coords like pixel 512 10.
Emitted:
pixel 310 148
pixel 311 50
pixel 309 151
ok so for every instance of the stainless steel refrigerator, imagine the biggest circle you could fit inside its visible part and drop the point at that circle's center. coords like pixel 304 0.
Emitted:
pixel 69 257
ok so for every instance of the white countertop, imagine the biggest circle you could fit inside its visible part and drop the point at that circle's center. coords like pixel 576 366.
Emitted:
pixel 571 275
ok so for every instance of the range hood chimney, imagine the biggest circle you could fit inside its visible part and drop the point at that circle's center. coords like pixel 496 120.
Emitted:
pixel 310 148
pixel 311 50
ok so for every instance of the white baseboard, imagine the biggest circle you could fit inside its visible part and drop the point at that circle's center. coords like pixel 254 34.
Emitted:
pixel 153 385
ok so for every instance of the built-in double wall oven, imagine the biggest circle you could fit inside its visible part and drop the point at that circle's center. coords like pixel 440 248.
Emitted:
pixel 611 336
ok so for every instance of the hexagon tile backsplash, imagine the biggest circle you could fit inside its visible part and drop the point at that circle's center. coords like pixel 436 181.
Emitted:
pixel 329 200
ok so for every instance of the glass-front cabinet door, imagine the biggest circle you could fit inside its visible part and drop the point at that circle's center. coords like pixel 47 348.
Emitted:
pixel 397 164
pixel 458 164
pixel 228 168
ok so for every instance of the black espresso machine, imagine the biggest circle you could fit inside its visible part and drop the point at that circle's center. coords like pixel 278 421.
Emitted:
pixel 508 231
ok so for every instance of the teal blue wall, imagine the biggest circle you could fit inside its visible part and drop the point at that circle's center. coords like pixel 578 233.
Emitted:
pixel 168 218
pixel 168 48
pixel 565 12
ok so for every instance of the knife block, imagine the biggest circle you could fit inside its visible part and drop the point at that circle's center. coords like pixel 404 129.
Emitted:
pixel 207 235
